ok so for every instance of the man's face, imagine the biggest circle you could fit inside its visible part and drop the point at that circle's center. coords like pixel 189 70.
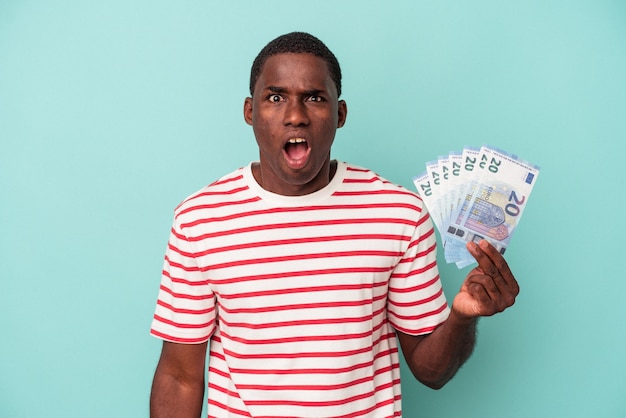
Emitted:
pixel 294 113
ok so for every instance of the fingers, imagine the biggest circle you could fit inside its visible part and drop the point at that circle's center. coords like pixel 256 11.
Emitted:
pixel 491 261
pixel 492 283
pixel 492 297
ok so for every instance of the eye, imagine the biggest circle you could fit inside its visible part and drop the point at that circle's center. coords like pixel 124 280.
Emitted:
pixel 316 98
pixel 274 98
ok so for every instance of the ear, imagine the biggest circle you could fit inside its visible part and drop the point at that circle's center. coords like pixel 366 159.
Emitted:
pixel 247 110
pixel 342 113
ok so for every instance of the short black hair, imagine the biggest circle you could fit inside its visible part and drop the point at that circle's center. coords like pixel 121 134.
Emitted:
pixel 296 43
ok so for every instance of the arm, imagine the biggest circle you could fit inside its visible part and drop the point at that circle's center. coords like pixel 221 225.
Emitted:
pixel 178 385
pixel 488 289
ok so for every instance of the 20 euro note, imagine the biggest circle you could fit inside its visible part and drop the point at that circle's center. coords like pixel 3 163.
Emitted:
pixel 465 184
pixel 424 188
pixel 492 210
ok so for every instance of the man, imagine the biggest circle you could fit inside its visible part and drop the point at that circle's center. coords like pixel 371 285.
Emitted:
pixel 303 272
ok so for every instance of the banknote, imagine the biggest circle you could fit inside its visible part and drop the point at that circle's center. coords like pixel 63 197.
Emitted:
pixel 455 184
pixel 492 210
pixel 460 179
pixel 480 193
pixel 444 163
pixel 424 188
pixel 434 174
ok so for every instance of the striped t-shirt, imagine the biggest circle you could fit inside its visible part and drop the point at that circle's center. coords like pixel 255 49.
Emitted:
pixel 300 295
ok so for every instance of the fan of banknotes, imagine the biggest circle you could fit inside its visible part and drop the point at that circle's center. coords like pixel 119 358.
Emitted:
pixel 479 193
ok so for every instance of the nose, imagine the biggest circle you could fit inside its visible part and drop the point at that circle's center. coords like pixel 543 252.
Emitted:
pixel 296 114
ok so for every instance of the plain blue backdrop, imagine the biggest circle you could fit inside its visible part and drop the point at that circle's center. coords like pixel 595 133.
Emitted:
pixel 112 112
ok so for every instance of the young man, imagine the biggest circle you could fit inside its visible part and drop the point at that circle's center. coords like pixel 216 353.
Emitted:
pixel 303 272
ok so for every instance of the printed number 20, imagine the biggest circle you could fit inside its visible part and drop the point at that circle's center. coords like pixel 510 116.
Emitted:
pixel 493 165
pixel 512 208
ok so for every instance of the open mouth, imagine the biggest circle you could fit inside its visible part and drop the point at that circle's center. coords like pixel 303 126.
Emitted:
pixel 296 149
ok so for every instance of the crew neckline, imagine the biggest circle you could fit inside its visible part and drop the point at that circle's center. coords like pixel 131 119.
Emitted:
pixel 318 195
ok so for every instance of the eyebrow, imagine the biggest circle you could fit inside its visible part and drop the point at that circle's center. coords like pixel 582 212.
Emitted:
pixel 312 92
pixel 275 89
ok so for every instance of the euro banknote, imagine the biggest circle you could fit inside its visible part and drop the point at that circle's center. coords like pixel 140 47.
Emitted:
pixel 479 193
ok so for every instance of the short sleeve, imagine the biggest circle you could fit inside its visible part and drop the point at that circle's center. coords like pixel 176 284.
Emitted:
pixel 416 303
pixel 185 311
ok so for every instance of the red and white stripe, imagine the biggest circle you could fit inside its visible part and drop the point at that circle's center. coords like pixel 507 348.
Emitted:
pixel 300 295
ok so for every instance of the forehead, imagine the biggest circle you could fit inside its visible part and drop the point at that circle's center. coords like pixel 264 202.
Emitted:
pixel 295 70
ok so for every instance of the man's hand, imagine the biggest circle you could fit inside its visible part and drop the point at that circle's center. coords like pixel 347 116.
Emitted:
pixel 489 288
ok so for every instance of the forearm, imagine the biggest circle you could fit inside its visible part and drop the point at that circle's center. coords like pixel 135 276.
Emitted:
pixel 438 356
pixel 173 397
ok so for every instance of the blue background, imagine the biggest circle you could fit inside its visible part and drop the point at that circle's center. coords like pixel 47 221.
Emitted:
pixel 112 112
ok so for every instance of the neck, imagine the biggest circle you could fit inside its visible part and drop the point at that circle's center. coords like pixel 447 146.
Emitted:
pixel 267 180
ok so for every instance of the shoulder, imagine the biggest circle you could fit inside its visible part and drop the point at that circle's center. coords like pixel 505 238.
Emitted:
pixel 223 189
pixel 363 180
